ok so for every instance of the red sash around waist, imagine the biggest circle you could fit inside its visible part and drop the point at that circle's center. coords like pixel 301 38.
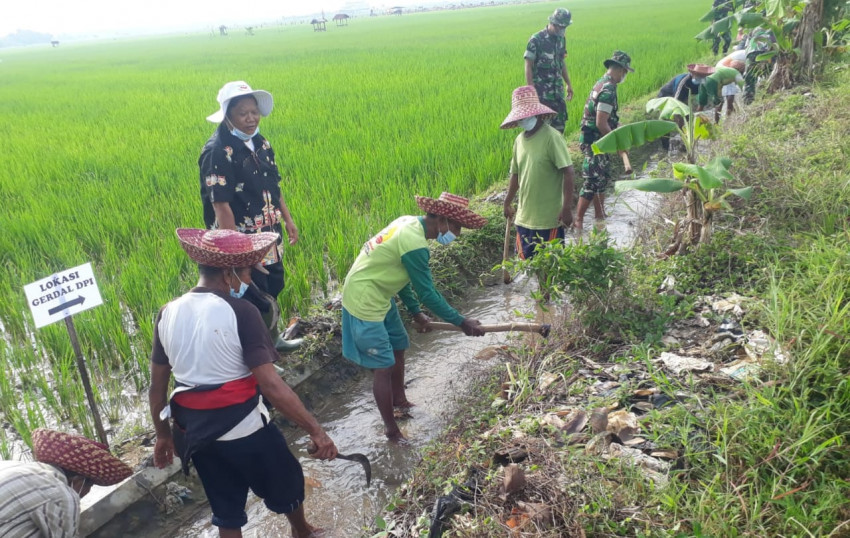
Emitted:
pixel 216 397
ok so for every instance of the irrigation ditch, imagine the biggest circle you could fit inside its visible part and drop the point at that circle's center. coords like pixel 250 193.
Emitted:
pixel 444 368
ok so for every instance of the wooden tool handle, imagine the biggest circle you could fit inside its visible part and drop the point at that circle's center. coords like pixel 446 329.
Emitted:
pixel 506 276
pixel 539 328
pixel 627 164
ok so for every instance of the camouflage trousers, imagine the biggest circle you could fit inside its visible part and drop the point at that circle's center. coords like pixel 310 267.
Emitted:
pixel 727 40
pixel 752 72
pixel 596 171
pixel 553 97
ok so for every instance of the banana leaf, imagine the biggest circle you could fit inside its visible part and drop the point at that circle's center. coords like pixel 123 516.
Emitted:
pixel 744 192
pixel 707 180
pixel 667 107
pixel 684 170
pixel 719 167
pixel 775 8
pixel 649 184
pixel 750 20
pixel 632 135
pixel 704 129
pixel 708 17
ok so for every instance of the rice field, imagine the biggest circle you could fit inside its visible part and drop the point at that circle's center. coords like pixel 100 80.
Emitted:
pixel 101 141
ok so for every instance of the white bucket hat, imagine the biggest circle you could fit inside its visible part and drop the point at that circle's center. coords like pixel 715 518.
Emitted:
pixel 239 88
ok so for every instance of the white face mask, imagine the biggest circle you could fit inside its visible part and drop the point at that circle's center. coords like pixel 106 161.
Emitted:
pixel 698 80
pixel 528 123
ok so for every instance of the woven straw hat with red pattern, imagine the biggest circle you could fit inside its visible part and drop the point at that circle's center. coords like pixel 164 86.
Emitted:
pixel 452 207
pixel 700 70
pixel 525 104
pixel 225 248
pixel 79 455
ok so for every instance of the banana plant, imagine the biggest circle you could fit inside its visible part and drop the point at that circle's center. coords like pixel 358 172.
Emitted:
pixel 706 186
pixel 703 186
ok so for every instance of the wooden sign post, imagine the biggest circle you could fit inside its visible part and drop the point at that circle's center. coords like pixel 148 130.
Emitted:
pixel 60 296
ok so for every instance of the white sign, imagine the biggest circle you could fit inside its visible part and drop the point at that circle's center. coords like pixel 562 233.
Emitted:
pixel 62 294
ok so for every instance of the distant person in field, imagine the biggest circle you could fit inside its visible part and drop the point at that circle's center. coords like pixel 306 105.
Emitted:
pixel 395 263
pixel 759 41
pixel 737 60
pixel 42 498
pixel 711 91
pixel 216 346
pixel 600 118
pixel 722 8
pixel 546 66
pixel 682 87
pixel 541 174
pixel 240 183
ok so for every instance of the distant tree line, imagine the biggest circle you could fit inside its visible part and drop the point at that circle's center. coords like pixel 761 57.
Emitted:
pixel 25 37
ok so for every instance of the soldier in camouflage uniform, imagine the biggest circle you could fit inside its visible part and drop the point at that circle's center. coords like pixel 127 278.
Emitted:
pixel 759 41
pixel 546 68
pixel 600 118
pixel 721 11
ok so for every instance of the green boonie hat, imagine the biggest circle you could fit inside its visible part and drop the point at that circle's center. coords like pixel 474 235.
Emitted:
pixel 620 58
pixel 561 17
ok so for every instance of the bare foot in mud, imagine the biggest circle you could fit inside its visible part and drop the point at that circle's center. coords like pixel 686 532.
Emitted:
pixel 402 413
pixel 406 404
pixel 397 438
pixel 599 224
pixel 314 532
pixel 577 226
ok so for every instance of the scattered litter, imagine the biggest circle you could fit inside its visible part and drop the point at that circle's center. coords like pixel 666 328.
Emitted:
pixel 636 457
pixel 678 364
pixel 624 424
pixel 575 423
pixel 546 379
pixel 666 454
pixel 488 352
pixel 514 479
pixel 599 420
pixel 729 304
pixel 599 443
pixel 175 496
pixel 508 455
pixel 760 345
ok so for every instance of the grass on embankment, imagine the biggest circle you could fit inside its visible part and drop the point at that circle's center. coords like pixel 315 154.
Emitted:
pixel 763 458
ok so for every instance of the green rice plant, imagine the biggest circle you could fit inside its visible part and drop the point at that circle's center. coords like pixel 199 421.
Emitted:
pixel 364 120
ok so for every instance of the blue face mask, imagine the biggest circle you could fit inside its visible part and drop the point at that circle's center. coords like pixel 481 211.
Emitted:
pixel 242 136
pixel 242 288
pixel 445 238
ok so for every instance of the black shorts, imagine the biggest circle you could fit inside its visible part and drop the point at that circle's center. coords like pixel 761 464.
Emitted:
pixel 528 239
pixel 262 462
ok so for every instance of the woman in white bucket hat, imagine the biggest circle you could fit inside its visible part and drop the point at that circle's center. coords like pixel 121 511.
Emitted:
pixel 240 185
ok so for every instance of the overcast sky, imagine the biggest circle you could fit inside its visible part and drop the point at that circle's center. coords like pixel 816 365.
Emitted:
pixel 133 16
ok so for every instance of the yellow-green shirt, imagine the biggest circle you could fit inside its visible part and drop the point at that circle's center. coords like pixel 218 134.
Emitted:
pixel 387 266
pixel 538 161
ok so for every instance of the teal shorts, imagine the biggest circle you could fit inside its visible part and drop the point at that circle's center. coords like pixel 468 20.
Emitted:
pixel 371 343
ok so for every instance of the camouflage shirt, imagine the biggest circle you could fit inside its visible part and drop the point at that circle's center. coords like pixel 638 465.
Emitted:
pixel 603 97
pixel 547 53
pixel 761 40
pixel 721 8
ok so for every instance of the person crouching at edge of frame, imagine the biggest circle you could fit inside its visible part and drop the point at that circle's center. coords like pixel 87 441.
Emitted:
pixel 395 262
pixel 600 118
pixel 221 355
pixel 541 174
pixel 42 498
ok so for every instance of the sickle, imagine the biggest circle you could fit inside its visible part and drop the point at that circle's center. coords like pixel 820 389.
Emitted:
pixel 356 457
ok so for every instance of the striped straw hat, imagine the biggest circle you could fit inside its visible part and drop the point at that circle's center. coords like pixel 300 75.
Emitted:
pixel 225 248
pixel 79 455
pixel 452 207
pixel 525 104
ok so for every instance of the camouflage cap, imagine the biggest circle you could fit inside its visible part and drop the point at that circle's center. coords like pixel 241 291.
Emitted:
pixel 561 17
pixel 620 58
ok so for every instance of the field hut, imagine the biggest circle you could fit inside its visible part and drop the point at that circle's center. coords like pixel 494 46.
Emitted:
pixel 341 19
pixel 318 25
pixel 54 43
pixel 394 10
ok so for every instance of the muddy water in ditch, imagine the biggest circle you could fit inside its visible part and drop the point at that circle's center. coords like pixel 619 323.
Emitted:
pixel 440 365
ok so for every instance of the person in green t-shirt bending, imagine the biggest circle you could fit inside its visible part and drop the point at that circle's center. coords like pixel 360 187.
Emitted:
pixel 395 262
pixel 541 173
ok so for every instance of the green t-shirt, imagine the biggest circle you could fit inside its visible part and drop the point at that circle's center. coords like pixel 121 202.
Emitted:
pixel 538 161
pixel 709 90
pixel 387 266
